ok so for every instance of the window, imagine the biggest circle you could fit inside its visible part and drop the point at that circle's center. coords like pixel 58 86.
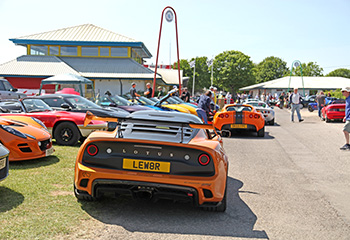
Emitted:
pixel 69 51
pixel 119 52
pixel 38 50
pixel 104 51
pixel 7 86
pixel 89 51
pixel 2 87
pixel 54 102
pixel 54 50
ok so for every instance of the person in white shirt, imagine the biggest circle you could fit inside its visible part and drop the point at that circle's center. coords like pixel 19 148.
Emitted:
pixel 295 102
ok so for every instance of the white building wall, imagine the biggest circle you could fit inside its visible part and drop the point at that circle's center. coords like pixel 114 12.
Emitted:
pixel 101 86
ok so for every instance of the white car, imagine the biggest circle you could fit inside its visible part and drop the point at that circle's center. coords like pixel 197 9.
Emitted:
pixel 265 109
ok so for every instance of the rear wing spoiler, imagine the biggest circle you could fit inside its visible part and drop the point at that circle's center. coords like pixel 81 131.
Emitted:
pixel 89 116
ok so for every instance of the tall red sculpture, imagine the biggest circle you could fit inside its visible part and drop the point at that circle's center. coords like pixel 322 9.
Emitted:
pixel 169 18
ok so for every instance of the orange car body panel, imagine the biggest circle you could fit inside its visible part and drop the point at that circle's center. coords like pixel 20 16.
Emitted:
pixel 228 118
pixel 25 148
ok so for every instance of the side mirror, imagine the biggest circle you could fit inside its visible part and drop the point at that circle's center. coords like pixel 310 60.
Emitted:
pixel 65 106
pixel 113 105
pixel 111 126
pixel 13 89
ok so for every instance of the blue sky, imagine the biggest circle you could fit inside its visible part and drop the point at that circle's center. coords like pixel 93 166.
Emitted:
pixel 305 30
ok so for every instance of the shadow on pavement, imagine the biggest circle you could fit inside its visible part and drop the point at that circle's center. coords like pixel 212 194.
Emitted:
pixel 251 135
pixel 176 218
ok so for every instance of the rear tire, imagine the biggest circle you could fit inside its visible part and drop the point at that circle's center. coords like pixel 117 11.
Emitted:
pixel 67 134
pixel 327 119
pixel 272 122
pixel 261 132
pixel 310 108
pixel 83 197
pixel 222 206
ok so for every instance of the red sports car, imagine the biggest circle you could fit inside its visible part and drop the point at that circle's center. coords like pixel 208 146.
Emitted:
pixel 66 127
pixel 333 112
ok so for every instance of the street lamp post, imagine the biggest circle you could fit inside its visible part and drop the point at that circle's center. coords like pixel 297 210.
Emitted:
pixel 296 63
pixel 169 15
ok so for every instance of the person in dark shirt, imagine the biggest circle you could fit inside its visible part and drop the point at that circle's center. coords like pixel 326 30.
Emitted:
pixel 160 92
pixel 133 92
pixel 204 106
pixel 185 96
pixel 321 100
pixel 149 91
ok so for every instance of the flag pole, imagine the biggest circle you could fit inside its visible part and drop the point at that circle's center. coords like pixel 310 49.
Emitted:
pixel 211 82
pixel 194 77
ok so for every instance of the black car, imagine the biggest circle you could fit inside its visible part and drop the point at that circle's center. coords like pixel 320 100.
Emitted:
pixel 120 102
pixel 75 103
pixel 4 162
pixel 306 100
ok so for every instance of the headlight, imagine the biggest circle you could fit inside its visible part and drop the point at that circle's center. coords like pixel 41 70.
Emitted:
pixel 13 131
pixel 40 122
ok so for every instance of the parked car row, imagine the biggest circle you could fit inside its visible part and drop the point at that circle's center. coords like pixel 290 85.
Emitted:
pixel 144 145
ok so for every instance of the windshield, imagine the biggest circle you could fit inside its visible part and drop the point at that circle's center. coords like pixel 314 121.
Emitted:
pixel 120 101
pixel 81 103
pixel 178 99
pixel 35 105
pixel 146 101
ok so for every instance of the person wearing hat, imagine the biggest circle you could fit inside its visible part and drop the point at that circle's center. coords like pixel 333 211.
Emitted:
pixel 295 101
pixel 346 93
pixel 149 91
pixel 133 92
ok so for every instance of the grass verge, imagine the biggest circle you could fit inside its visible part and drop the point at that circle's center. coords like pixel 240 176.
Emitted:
pixel 37 200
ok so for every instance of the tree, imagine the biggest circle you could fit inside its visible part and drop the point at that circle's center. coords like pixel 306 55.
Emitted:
pixel 271 68
pixel 233 70
pixel 309 70
pixel 202 74
pixel 340 72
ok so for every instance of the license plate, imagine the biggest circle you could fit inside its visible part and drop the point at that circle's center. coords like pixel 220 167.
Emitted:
pixel 238 125
pixel 144 165
pixel 2 163
pixel 49 151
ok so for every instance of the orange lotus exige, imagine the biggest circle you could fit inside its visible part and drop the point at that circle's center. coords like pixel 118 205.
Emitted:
pixel 240 116
pixel 25 137
pixel 154 155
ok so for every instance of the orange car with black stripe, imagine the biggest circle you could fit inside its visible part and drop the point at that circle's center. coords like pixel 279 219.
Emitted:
pixel 154 155
pixel 25 137
pixel 240 116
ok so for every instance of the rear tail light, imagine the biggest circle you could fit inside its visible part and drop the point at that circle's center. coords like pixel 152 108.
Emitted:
pixel 221 115
pixel 226 115
pixel 251 115
pixel 204 159
pixel 92 150
pixel 256 116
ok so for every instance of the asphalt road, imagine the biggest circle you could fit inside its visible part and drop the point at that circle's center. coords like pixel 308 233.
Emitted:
pixel 292 184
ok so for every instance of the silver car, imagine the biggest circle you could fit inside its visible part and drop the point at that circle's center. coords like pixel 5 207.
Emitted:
pixel 265 109
pixel 7 91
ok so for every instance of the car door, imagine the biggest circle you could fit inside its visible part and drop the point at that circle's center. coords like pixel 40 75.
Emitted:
pixel 3 92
